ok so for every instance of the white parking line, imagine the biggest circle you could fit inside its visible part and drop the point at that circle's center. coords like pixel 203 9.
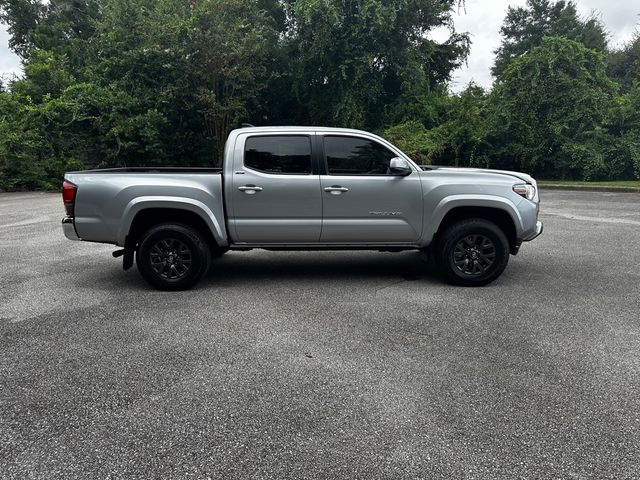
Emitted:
pixel 585 218
pixel 29 221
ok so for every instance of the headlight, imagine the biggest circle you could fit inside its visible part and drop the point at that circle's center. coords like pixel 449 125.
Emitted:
pixel 525 190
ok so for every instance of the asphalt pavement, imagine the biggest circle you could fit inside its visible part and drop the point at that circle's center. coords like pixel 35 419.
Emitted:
pixel 323 364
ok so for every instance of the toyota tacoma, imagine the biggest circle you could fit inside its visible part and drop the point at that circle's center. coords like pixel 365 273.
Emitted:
pixel 303 188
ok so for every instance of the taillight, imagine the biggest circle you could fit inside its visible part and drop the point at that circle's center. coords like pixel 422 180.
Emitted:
pixel 69 196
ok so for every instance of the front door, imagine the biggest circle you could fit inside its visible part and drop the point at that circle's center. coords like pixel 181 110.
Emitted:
pixel 363 202
pixel 276 196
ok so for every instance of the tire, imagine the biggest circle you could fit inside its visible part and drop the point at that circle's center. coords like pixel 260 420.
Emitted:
pixel 472 252
pixel 173 256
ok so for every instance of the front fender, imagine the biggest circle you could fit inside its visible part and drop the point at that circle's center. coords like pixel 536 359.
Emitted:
pixel 475 200
pixel 139 204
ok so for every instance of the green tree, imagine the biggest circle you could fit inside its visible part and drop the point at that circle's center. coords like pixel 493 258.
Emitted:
pixel 56 26
pixel 413 139
pixel 548 109
pixel 158 82
pixel 228 43
pixel 144 81
pixel 22 18
pixel 33 155
pixel 622 146
pixel 524 28
pixel 353 59
pixel 624 64
pixel 455 132
pixel 460 133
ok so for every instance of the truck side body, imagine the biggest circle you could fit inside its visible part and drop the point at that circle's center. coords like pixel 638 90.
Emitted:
pixel 296 188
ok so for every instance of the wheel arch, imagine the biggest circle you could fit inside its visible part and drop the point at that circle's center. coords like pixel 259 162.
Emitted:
pixel 142 215
pixel 498 211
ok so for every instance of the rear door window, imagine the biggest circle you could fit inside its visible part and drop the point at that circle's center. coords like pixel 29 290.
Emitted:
pixel 279 154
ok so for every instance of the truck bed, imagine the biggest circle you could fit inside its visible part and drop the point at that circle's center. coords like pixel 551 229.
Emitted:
pixel 153 170
pixel 108 200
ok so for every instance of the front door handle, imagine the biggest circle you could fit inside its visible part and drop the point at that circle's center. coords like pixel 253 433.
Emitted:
pixel 250 189
pixel 336 190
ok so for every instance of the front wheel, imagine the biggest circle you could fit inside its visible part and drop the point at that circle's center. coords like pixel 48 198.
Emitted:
pixel 472 252
pixel 173 256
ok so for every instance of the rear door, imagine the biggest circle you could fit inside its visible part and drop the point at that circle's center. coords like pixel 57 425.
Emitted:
pixel 363 202
pixel 276 196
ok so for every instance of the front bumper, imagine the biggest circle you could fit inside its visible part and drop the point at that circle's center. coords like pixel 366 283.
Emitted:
pixel 69 229
pixel 537 233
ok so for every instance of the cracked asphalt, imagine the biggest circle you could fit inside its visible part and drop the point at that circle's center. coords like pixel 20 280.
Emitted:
pixel 323 364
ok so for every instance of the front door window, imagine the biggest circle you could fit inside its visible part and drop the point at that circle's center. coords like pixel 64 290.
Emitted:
pixel 356 156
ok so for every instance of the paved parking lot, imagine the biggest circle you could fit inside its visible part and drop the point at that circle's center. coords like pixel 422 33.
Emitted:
pixel 323 365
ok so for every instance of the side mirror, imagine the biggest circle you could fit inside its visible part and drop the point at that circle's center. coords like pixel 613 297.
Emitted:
pixel 399 166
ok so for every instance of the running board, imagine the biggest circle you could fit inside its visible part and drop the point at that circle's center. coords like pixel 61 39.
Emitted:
pixel 385 247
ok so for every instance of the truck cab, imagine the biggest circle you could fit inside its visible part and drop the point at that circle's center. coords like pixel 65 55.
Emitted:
pixel 312 186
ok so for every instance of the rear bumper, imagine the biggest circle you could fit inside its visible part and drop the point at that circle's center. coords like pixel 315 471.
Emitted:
pixel 69 229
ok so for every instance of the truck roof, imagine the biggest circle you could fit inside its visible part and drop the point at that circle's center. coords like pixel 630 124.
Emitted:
pixel 300 129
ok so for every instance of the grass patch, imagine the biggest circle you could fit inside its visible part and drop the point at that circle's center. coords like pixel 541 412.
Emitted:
pixel 620 183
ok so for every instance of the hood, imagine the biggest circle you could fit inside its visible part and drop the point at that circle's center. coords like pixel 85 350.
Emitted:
pixel 522 176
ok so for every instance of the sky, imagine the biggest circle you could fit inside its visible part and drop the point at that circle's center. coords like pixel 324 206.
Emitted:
pixel 9 63
pixel 482 19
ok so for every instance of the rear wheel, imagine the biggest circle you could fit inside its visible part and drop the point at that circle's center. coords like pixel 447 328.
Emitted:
pixel 472 252
pixel 173 256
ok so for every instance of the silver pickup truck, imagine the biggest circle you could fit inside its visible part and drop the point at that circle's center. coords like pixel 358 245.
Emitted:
pixel 303 188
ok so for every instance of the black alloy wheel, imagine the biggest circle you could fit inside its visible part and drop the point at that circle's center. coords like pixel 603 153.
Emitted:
pixel 173 256
pixel 170 258
pixel 472 252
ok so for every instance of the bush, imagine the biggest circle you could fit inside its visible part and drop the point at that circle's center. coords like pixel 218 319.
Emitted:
pixel 413 139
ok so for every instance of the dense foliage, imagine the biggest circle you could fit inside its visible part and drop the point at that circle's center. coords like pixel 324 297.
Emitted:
pixel 624 64
pixel 159 82
pixel 525 27
pixel 551 111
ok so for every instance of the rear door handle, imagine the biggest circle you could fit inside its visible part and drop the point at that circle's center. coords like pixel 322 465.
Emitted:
pixel 250 189
pixel 336 190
